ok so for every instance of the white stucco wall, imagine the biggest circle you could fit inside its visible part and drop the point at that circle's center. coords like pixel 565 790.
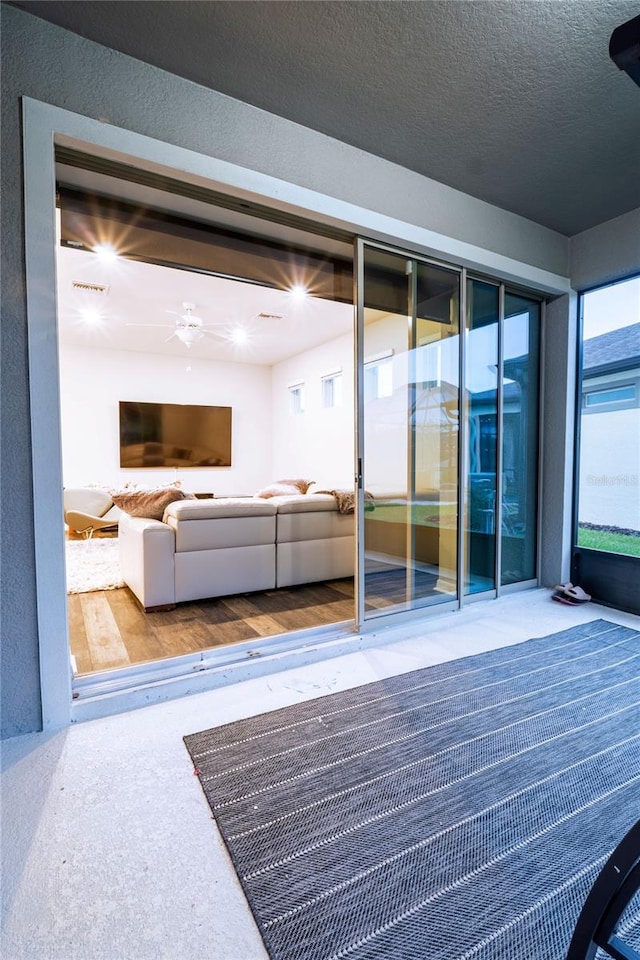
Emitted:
pixel 318 444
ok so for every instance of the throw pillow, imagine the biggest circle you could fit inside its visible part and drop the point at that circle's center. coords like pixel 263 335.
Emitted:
pixel 277 490
pixel 150 504
pixel 301 485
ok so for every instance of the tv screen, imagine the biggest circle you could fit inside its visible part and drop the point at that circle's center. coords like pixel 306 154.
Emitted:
pixel 174 435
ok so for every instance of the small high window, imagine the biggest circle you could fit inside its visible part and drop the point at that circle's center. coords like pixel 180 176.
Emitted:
pixel 296 398
pixel 613 397
pixel 332 390
pixel 378 378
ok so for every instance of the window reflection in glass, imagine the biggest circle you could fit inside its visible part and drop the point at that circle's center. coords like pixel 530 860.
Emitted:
pixel 410 432
pixel 481 411
pixel 520 391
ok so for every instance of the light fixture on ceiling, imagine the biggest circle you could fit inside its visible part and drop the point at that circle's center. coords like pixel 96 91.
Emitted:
pixel 624 48
pixel 239 336
pixel 189 335
pixel 105 252
pixel 188 326
pixel 91 316
pixel 298 291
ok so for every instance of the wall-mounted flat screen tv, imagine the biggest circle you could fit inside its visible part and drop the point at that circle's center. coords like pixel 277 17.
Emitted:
pixel 174 435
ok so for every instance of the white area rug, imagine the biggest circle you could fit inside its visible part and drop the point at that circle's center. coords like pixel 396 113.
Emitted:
pixel 93 565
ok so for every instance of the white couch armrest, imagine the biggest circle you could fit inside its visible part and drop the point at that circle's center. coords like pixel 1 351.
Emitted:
pixel 147 560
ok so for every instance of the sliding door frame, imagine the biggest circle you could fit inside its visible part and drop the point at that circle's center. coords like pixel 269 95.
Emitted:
pixel 46 127
pixel 363 624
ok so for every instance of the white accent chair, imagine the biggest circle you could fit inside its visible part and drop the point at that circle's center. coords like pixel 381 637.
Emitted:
pixel 86 510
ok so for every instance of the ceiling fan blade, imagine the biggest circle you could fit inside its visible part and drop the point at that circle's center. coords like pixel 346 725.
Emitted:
pixel 170 337
pixel 148 325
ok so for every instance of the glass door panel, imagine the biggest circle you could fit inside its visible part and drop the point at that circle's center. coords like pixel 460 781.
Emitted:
pixel 409 431
pixel 520 392
pixel 433 465
pixel 481 413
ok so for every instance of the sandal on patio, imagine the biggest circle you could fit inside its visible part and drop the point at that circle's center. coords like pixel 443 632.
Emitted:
pixel 577 594
pixel 562 597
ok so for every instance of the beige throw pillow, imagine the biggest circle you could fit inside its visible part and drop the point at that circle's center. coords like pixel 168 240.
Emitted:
pixel 150 504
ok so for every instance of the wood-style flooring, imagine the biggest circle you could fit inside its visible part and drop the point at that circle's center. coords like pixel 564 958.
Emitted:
pixel 108 630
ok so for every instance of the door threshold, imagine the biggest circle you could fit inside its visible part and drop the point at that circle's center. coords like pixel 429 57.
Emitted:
pixel 116 691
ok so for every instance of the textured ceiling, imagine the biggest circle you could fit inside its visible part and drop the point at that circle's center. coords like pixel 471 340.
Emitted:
pixel 514 102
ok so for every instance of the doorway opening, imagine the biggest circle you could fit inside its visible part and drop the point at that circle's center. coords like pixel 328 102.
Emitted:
pixel 170 307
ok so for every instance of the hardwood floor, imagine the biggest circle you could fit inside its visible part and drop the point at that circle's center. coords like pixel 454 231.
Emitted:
pixel 107 629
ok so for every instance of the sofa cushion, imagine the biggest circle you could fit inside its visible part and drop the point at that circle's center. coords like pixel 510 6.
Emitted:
pixel 310 561
pixel 221 573
pixel 311 518
pixel 299 503
pixel 221 533
pixel 218 507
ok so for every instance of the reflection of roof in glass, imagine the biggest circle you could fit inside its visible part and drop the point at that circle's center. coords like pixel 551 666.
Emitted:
pixel 620 347
pixel 512 391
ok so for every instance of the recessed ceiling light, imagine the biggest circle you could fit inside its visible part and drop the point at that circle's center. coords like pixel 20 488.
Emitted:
pixel 105 252
pixel 299 291
pixel 90 315
pixel 239 336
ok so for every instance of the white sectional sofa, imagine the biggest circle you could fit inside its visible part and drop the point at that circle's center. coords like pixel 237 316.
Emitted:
pixel 229 545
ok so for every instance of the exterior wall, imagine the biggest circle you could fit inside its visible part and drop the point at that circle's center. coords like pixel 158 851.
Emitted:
pixel 607 252
pixel 48 64
pixel 610 469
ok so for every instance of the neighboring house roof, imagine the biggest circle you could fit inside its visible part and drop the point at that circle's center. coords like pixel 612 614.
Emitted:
pixel 616 350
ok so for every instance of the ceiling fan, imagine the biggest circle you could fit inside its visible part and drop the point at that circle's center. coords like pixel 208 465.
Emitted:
pixel 188 328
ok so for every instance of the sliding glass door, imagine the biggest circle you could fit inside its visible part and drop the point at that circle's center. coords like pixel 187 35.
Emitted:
pixel 500 403
pixel 481 422
pixel 520 351
pixel 448 434
pixel 409 385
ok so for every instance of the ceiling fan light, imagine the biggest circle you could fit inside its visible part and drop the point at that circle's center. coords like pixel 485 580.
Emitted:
pixel 189 335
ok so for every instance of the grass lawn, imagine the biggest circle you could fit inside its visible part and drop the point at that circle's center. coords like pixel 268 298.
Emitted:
pixel 622 543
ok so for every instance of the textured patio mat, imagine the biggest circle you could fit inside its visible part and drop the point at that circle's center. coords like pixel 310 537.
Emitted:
pixel 459 812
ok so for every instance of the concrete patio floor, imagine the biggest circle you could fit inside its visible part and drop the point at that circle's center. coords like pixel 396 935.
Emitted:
pixel 109 848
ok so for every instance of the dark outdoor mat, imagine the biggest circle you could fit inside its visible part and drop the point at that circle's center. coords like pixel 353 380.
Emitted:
pixel 459 812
